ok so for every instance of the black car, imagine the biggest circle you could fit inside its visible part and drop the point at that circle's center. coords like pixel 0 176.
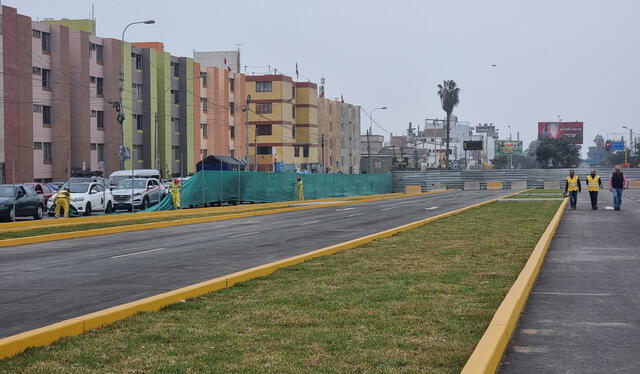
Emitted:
pixel 20 201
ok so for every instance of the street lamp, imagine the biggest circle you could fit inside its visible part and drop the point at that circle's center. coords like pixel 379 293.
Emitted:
pixel 628 152
pixel 121 115
pixel 369 135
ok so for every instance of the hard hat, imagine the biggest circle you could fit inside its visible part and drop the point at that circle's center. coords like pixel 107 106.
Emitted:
pixel 176 180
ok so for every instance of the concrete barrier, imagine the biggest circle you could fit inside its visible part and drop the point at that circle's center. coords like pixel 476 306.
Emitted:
pixel 438 187
pixel 551 185
pixel 634 185
pixel 519 185
pixel 471 186
pixel 414 188
pixel 494 185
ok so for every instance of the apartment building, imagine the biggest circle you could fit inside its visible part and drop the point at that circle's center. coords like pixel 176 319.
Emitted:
pixel 339 125
pixel 283 124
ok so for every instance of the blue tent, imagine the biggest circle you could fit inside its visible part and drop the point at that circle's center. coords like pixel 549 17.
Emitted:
pixel 224 163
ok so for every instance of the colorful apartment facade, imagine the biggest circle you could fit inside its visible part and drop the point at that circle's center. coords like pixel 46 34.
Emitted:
pixel 58 85
pixel 339 130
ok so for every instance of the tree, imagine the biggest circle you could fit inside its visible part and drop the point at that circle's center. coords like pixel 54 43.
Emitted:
pixel 449 98
pixel 500 162
pixel 595 153
pixel 557 153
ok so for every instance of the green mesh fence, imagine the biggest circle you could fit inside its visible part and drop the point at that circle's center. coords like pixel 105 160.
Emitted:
pixel 213 187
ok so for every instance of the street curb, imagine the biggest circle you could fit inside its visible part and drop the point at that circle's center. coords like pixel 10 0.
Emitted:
pixel 488 353
pixel 189 221
pixel 15 344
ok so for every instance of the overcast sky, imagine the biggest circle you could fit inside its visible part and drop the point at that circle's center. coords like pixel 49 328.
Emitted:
pixel 575 58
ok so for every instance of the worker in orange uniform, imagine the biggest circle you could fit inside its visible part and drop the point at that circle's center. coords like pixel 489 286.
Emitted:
pixel 300 189
pixel 63 199
pixel 175 192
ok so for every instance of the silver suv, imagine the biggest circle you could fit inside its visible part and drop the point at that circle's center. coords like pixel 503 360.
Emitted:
pixel 145 191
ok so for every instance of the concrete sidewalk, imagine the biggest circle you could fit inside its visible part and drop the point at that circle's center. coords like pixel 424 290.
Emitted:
pixel 583 315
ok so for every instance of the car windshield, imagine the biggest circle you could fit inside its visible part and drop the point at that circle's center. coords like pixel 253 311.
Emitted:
pixel 6 191
pixel 78 187
pixel 127 184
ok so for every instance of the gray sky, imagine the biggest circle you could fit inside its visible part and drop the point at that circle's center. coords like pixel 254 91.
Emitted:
pixel 575 58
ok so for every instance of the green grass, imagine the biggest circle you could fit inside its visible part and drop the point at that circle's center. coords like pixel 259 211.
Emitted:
pixel 538 193
pixel 417 302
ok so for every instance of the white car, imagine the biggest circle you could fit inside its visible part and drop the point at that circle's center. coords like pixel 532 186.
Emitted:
pixel 88 197
pixel 146 192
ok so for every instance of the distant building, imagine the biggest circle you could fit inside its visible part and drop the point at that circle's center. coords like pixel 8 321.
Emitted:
pixel 339 130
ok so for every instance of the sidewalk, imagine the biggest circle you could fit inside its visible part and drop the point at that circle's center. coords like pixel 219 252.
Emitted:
pixel 583 315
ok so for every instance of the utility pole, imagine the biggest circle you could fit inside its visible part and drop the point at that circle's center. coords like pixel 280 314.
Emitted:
pixel 157 154
pixel 246 120
pixel 415 152
pixel 324 168
pixel 369 150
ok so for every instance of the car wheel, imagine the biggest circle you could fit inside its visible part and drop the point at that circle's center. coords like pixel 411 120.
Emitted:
pixel 39 213
pixel 87 210
pixel 109 208
pixel 145 204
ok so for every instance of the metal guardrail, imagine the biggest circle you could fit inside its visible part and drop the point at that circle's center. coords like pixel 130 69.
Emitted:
pixel 455 178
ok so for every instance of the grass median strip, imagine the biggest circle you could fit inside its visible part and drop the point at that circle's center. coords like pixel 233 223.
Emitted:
pixel 538 194
pixel 416 302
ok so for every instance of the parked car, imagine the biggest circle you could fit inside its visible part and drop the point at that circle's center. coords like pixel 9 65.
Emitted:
pixel 20 201
pixel 119 175
pixel 56 185
pixel 146 192
pixel 87 196
pixel 42 189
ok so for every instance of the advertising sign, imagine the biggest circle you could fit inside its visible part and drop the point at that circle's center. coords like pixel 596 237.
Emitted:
pixel 508 147
pixel 472 145
pixel 556 130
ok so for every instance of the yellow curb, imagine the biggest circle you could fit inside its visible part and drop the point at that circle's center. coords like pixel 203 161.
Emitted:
pixel 15 344
pixel 188 221
pixel 488 353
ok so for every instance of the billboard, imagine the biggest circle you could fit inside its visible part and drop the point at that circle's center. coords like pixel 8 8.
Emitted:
pixel 508 147
pixel 556 130
pixel 472 145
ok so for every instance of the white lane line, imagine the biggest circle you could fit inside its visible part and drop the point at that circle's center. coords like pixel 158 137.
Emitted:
pixel 309 223
pixel 354 215
pixel 391 207
pixel 245 234
pixel 431 208
pixel 344 209
pixel 138 253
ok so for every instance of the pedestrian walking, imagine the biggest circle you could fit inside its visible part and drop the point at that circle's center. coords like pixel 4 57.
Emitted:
pixel 300 189
pixel 617 184
pixel 572 187
pixel 593 185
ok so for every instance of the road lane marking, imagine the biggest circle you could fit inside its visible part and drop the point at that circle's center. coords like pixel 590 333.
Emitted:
pixel 309 223
pixel 245 234
pixel 138 253
pixel 609 208
pixel 344 209
pixel 431 208
pixel 354 215
pixel 391 207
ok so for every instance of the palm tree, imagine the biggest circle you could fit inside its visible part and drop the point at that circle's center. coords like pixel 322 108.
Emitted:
pixel 449 98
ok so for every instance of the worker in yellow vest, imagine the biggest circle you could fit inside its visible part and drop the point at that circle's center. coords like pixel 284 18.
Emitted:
pixel 63 197
pixel 300 189
pixel 572 188
pixel 593 184
pixel 174 189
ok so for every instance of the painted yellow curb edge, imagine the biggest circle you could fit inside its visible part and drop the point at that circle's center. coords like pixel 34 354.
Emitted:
pixel 46 335
pixel 488 353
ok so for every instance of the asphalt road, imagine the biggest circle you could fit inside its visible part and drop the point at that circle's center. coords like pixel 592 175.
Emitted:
pixel 583 313
pixel 46 283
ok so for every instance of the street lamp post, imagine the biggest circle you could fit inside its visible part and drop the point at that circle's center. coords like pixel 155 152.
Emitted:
pixel 369 133
pixel 627 154
pixel 510 154
pixel 122 113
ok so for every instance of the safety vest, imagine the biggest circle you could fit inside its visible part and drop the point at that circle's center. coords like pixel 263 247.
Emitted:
pixel 572 183
pixel 592 183
pixel 62 194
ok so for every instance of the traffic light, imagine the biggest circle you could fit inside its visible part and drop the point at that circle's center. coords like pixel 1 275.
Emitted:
pixel 607 145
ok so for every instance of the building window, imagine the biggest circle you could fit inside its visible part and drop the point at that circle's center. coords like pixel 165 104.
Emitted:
pixel 263 129
pixel 99 54
pixel 203 128
pixel 203 103
pixel 293 92
pixel 137 91
pixel 37 145
pixel 36 70
pixel 138 152
pixel 92 79
pixel 37 108
pixel 100 119
pixel 263 108
pixel 232 85
pixel 263 86
pixel 305 151
pixel 203 75
pixel 46 115
pixel 232 108
pixel 176 96
pixel 46 42
pixel 176 69
pixel 100 152
pixel 232 132
pixel 296 151
pixel 94 146
pixel 94 113
pixel 138 59
pixel 137 119
pixel 264 150
pixel 176 124
pixel 46 79
pixel 293 131
pixel 99 86
pixel 176 152
pixel 293 111
pixel 47 154
pixel 37 34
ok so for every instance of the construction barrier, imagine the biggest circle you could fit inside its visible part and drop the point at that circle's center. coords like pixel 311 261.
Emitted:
pixel 494 185
pixel 471 186
pixel 634 185
pixel 413 189
pixel 519 185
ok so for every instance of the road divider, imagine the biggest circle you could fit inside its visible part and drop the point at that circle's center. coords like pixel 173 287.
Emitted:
pixel 488 353
pixel 15 344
